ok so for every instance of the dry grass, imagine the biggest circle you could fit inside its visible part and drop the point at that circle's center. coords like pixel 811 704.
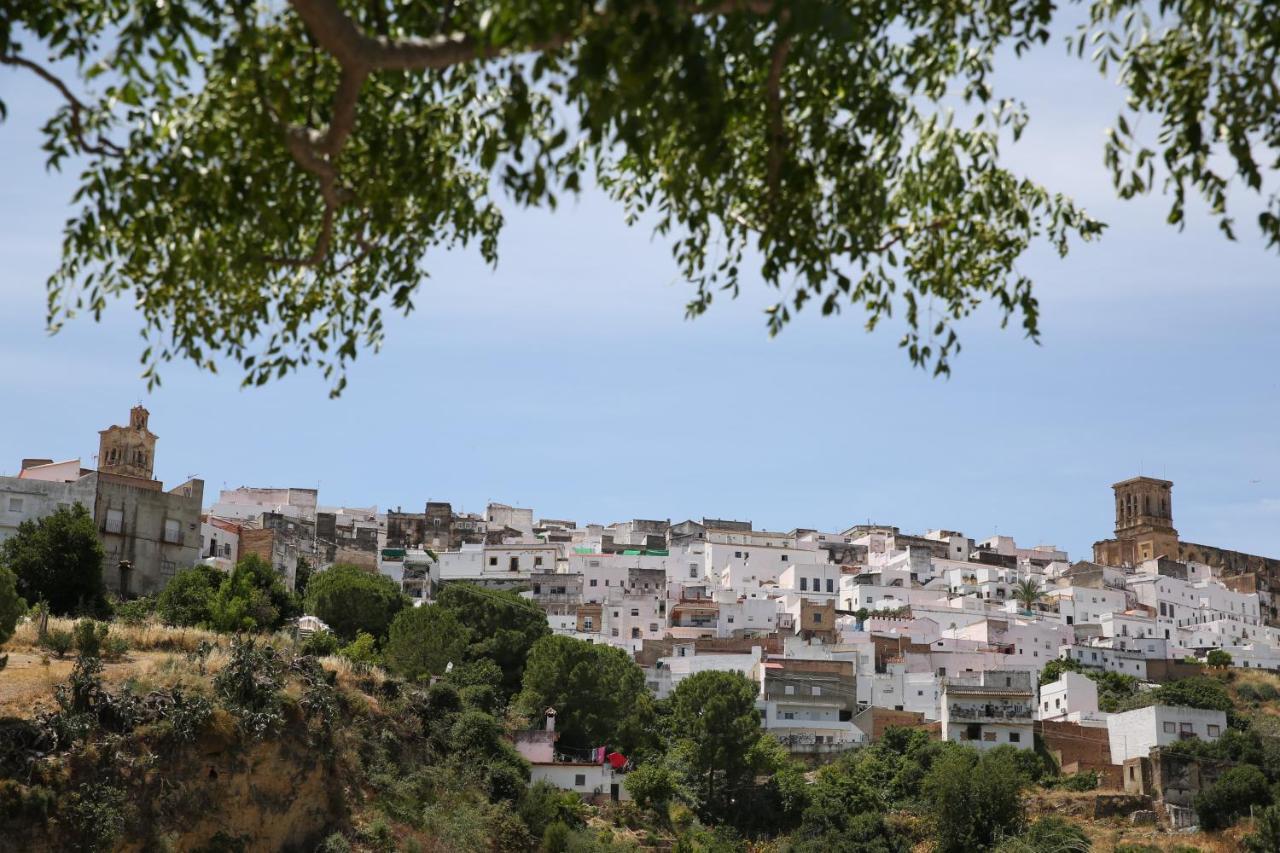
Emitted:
pixel 149 636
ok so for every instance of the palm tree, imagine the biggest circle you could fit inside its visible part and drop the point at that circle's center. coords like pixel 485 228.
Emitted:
pixel 1028 592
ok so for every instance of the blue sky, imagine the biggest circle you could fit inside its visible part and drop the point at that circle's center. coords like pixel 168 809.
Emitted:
pixel 568 380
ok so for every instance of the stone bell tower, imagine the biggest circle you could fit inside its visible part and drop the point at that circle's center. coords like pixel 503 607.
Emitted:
pixel 1144 523
pixel 128 450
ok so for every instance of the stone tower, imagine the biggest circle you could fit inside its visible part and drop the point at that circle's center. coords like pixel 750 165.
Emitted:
pixel 128 450
pixel 1144 523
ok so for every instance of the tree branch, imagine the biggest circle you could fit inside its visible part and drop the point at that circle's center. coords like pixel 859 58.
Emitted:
pixel 104 147
pixel 773 104
pixel 360 54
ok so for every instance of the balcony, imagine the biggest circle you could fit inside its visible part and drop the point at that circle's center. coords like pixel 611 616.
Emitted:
pixel 991 713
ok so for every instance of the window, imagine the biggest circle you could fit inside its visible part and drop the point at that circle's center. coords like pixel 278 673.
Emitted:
pixel 15 504
pixel 784 558
pixel 493 561
pixel 737 555
pixel 587 623
pixel 635 611
pixel 580 780
pixel 730 620
pixel 830 585
pixel 815 690
pixel 1186 728
pixel 693 570
pixel 615 632
pixel 537 561
pixel 817 618
pixel 115 520
pixel 653 627
pixel 1214 730
pixel 514 564
pixel 789 690
pixel 172 530
pixel 1015 737
pixel 1170 728
pixel 817 586
pixel 593 581
pixel 989 736
pixel 804 584
pixel 167 568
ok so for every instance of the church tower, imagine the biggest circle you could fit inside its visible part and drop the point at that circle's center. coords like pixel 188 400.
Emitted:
pixel 128 450
pixel 1144 523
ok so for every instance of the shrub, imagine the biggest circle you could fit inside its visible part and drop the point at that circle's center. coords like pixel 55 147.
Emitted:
pixel 651 785
pixel 58 641
pixel 1218 659
pixel 115 647
pixel 1236 790
pixel 187 599
pixel 89 637
pixel 362 651
pixel 1051 834
pixel 974 800
pixel 96 812
pixel 543 804
pixel 320 644
pixel 252 598
pixel 1086 781
pixel 249 686
pixel 556 837
pixel 11 604
pixel 136 611
pixel 1265 837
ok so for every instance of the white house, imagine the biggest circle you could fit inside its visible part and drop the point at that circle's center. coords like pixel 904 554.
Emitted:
pixel 1134 733
pixel 1072 698
pixel 989 709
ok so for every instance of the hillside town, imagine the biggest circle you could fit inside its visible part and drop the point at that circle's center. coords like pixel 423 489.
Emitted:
pixel 845 633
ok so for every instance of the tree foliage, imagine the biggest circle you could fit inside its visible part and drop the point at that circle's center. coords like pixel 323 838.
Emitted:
pixel 252 598
pixel 350 600
pixel 58 559
pixel 503 626
pixel 12 606
pixel 424 640
pixel 187 599
pixel 314 153
pixel 715 717
pixel 595 689
pixel 1231 796
pixel 974 800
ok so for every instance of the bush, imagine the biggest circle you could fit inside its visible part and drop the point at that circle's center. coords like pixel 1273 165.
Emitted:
pixel 543 805
pixel 362 651
pixel 249 686
pixel 187 600
pixel 1050 834
pixel 136 611
pixel 1219 805
pixel 58 641
pixel 974 800
pixel 89 637
pixel 351 600
pixel 1086 781
pixel 11 604
pixel 251 598
pixel 115 647
pixel 1218 659
pixel 1265 837
pixel 97 812
pixel 651 785
pixel 556 837
pixel 320 644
